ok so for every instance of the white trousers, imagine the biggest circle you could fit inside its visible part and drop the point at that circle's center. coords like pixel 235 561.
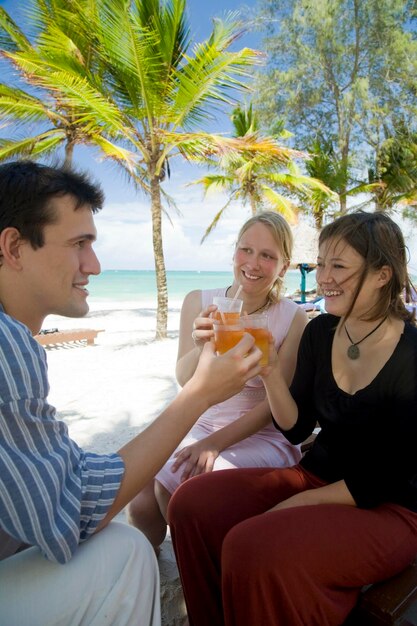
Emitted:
pixel 112 580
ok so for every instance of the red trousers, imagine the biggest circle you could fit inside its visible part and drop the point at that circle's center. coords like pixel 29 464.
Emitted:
pixel 243 566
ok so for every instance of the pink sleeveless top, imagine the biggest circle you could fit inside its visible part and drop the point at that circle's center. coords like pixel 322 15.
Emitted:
pixel 280 316
pixel 265 448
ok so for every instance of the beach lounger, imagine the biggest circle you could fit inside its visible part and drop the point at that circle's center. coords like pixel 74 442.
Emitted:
pixel 54 336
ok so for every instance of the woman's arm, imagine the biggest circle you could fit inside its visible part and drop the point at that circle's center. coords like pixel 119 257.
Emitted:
pixel 277 378
pixel 287 353
pixel 189 344
pixel 216 378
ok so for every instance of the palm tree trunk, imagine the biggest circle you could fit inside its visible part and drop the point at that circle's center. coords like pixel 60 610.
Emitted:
pixel 344 165
pixel 318 219
pixel 252 201
pixel 161 278
pixel 69 151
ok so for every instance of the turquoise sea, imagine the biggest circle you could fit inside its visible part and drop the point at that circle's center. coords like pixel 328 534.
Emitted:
pixel 124 288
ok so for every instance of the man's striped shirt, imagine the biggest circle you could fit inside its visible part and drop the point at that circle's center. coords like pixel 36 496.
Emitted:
pixel 52 494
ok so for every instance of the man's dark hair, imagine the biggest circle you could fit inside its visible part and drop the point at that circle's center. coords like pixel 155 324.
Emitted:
pixel 27 189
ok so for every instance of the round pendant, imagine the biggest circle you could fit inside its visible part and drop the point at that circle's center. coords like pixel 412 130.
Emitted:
pixel 353 352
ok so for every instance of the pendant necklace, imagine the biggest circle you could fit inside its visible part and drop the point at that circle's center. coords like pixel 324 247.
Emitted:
pixel 353 351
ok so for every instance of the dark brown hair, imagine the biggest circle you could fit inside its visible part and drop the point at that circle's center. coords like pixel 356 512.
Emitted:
pixel 379 241
pixel 26 193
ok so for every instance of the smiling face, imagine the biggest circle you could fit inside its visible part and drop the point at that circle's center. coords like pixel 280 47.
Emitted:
pixel 258 260
pixel 53 278
pixel 339 271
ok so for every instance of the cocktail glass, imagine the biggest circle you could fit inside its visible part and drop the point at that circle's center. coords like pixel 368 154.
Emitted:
pixel 228 309
pixel 257 326
pixel 226 336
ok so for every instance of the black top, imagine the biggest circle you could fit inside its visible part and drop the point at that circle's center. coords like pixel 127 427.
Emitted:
pixel 368 439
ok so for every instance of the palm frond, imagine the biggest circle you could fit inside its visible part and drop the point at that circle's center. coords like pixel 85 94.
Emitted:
pixel 170 201
pixel 136 66
pixel 211 75
pixel 244 121
pixel 12 37
pixel 299 182
pixel 89 107
pixel 214 181
pixel 31 146
pixel 280 204
pixel 19 105
pixel 173 31
pixel 215 220
pixel 117 153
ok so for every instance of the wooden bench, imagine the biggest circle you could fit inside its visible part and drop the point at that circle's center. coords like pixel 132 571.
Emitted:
pixel 392 602
pixel 53 337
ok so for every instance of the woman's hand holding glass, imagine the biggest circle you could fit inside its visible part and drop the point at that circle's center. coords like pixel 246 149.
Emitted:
pixel 203 327
pixel 273 364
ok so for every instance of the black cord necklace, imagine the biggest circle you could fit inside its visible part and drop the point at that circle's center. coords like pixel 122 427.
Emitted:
pixel 264 305
pixel 353 351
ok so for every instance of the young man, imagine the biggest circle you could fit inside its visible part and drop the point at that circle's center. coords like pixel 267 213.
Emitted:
pixel 55 497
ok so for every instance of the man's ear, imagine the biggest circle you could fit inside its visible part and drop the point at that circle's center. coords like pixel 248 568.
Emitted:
pixel 10 244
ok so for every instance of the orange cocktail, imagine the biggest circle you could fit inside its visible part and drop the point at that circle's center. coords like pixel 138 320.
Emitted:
pixel 257 326
pixel 226 317
pixel 227 336
pixel 228 310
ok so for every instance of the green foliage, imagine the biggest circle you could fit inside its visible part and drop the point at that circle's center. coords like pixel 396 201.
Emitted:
pixel 324 164
pixel 395 173
pixel 257 169
pixel 340 69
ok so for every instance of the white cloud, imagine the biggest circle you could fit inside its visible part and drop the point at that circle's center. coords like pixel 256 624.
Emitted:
pixel 125 230
pixel 125 233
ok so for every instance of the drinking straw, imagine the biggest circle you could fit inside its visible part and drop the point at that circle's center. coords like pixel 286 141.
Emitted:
pixel 233 300
pixel 235 297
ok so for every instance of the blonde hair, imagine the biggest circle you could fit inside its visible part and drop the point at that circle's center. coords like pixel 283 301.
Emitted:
pixel 281 232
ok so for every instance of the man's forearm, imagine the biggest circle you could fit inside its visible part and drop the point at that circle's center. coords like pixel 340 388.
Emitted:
pixel 215 379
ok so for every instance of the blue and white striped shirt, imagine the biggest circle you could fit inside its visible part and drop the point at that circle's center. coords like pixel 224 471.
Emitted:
pixel 52 494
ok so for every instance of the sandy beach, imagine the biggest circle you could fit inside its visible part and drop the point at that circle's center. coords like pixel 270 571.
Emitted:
pixel 108 392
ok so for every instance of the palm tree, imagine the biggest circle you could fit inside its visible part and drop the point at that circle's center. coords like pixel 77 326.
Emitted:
pixel 324 164
pixel 150 92
pixel 255 169
pixel 394 176
pixel 42 123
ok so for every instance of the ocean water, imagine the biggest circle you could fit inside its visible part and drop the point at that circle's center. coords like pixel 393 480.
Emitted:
pixel 130 288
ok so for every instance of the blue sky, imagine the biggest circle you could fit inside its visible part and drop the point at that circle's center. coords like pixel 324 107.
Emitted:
pixel 124 225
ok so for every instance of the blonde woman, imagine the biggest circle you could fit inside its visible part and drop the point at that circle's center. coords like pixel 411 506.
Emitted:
pixel 238 432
